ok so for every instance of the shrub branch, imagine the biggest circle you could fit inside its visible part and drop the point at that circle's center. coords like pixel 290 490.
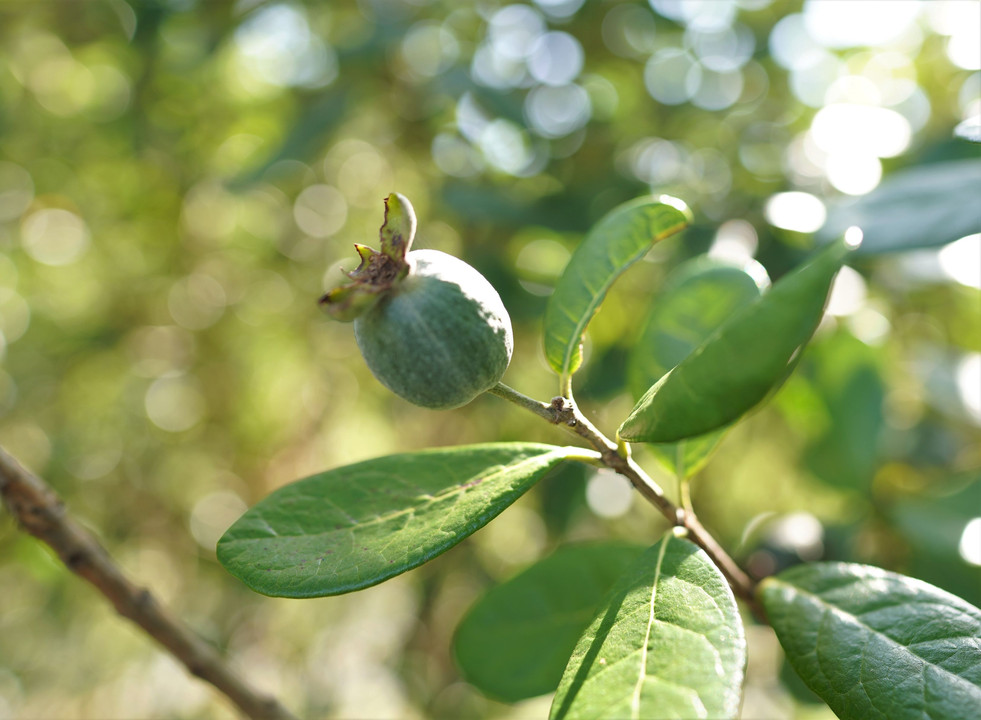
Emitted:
pixel 40 512
pixel 564 412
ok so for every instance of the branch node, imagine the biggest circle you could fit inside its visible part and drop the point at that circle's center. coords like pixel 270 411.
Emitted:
pixel 143 599
pixel 565 411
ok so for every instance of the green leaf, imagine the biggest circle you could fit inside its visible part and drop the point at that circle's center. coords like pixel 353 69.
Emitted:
pixel 515 641
pixel 355 526
pixel 742 361
pixel 697 297
pixel 621 238
pixel 846 375
pixel 668 643
pixel 919 207
pixel 874 644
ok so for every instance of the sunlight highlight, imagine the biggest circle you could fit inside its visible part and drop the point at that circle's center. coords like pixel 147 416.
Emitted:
pixel 969 384
pixel 797 211
pixel 961 260
pixel 970 544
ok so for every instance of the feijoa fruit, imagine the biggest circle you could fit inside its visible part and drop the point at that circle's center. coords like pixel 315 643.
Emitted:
pixel 430 327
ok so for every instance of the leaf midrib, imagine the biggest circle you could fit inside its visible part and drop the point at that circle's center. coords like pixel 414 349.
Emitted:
pixel 635 700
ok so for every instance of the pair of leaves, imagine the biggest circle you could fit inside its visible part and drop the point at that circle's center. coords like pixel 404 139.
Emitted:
pixel 652 634
pixel 355 526
pixel 874 644
pixel 710 373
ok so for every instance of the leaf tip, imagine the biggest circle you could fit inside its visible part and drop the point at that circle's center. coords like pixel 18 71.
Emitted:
pixel 678 204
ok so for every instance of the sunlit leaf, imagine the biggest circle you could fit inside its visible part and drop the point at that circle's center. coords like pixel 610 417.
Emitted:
pixel 668 643
pixel 874 644
pixel 355 526
pixel 697 297
pixel 621 238
pixel 742 361
pixel 922 206
pixel 516 640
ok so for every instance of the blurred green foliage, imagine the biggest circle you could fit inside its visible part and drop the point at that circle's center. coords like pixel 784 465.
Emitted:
pixel 179 181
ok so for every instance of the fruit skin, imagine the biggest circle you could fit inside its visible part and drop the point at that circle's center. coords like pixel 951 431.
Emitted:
pixel 440 337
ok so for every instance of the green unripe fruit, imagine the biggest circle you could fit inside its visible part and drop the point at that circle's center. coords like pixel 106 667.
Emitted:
pixel 440 336
pixel 430 327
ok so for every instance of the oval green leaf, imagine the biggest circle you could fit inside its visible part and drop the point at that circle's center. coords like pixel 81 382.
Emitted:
pixel 919 207
pixel 742 361
pixel 874 644
pixel 355 526
pixel 668 643
pixel 618 240
pixel 515 641
pixel 697 297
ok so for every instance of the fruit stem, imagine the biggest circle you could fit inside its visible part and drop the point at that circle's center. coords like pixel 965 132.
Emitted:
pixel 562 411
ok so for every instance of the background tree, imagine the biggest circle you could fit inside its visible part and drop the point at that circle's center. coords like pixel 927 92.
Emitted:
pixel 176 177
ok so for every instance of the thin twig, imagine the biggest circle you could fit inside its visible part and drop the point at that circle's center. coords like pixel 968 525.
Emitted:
pixel 564 412
pixel 40 512
pixel 522 400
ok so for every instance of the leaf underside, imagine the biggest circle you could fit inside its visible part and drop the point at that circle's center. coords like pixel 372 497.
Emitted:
pixel 355 526
pixel 621 238
pixel 748 356
pixel 875 644
pixel 667 643
pixel 918 207
pixel 515 641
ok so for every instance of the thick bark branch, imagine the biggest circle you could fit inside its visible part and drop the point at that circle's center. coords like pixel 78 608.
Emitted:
pixel 40 512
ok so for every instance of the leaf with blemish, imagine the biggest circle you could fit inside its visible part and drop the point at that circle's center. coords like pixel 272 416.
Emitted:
pixel 355 526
